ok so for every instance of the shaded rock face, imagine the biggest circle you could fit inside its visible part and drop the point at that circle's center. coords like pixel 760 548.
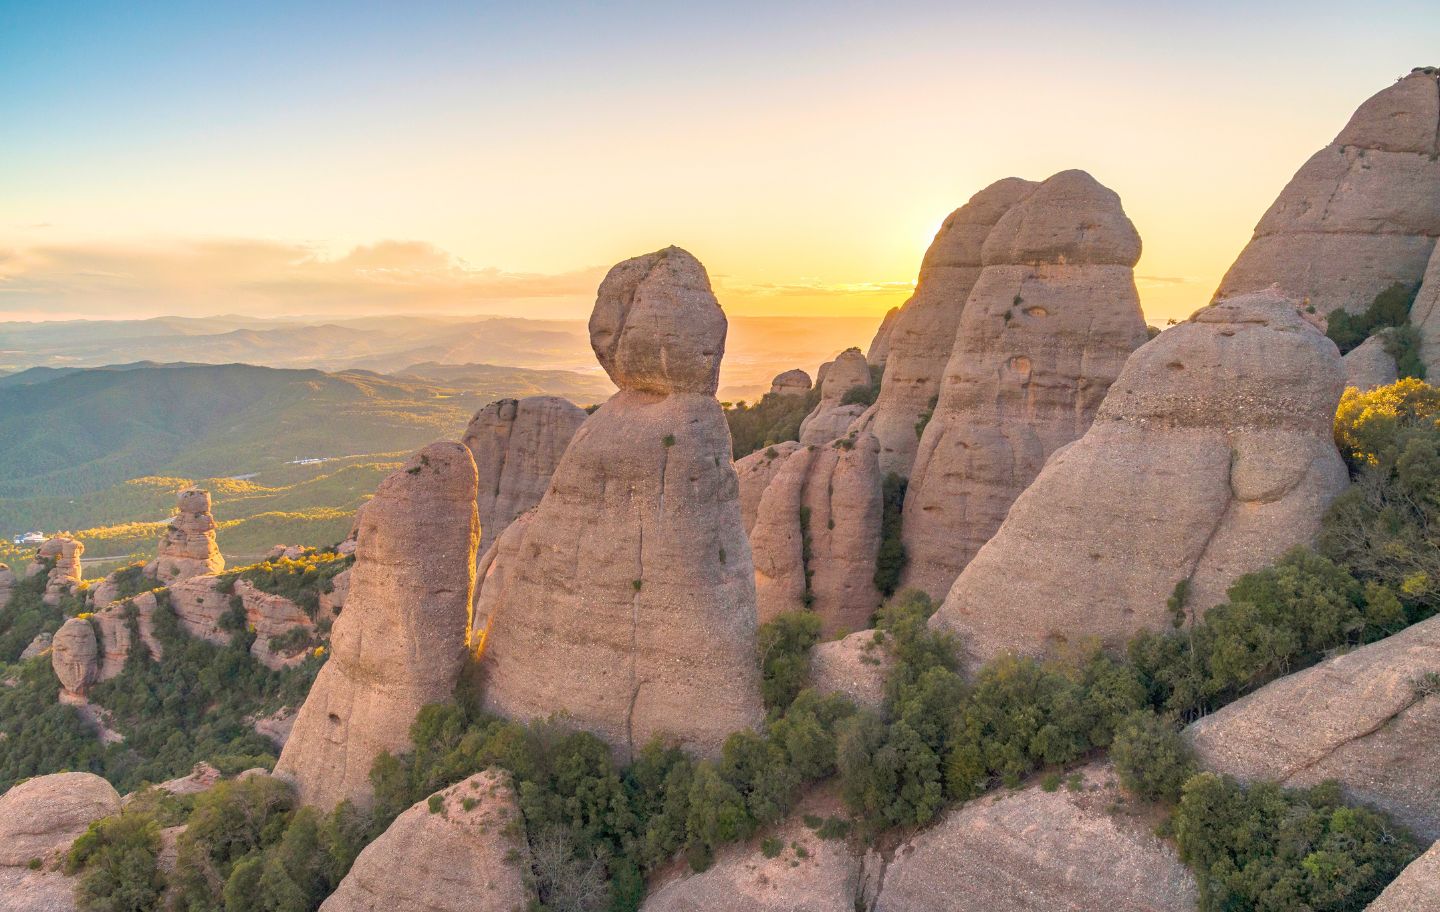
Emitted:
pixel 23 890
pixel 1212 456
pixel 627 601
pixel 791 383
pixel 1363 719
pixel 1362 214
pixel 855 667
pixel 1417 889
pixel 1033 850
pixel 1369 365
pixel 831 419
pixel 1425 316
pixel 831 498
pixel 37 647
pixel 200 603
pixel 517 443
pixel 1047 328
pixel 755 472
pixel 922 334
pixel 65 575
pixel 400 642
pixel 879 351
pixel 74 654
pixel 466 856
pixel 116 638
pixel 40 817
pixel 7 584
pixel 188 547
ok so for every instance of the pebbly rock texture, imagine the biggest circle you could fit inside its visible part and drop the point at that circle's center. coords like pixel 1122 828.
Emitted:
pixel 855 667
pixel 1369 365
pixel 755 472
pixel 24 890
pixel 276 726
pixel 817 532
pixel 1212 456
pixel 38 646
pixel 1425 316
pixel 7 584
pixel 1037 851
pixel 791 383
pixel 200 603
pixel 188 547
pixel 1046 329
pixel 332 600
pixel 517 443
pixel 461 850
pixel 922 335
pixel 879 351
pixel 61 554
pixel 1417 889
pixel 831 418
pixel 40 817
pixel 627 602
pixel 1362 214
pixel 1368 719
pixel 74 655
pixel 400 642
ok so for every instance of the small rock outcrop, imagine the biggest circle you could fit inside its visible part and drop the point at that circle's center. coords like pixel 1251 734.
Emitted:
pixel 1361 215
pixel 7 584
pixel 201 604
pixel 1417 889
pixel 791 383
pixel 461 850
pixel 116 637
pixel 188 547
pixel 855 667
pixel 922 334
pixel 1369 719
pixel 1046 329
pixel 1425 316
pixel 629 602
pixel 1369 365
pixel 74 654
pixel 832 417
pixel 879 351
pixel 400 642
pixel 61 556
pixel 517 443
pixel 1032 850
pixel 1212 456
pixel 37 646
pixel 40 817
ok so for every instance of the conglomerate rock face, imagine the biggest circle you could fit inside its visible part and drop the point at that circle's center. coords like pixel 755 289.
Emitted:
pixel 188 547
pixel 627 601
pixel 1361 215
pixel 399 644
pixel 40 817
pixel 1417 889
pixel 517 443
pixel 74 655
pixel 921 335
pixel 1366 719
pixel 1425 316
pixel 65 572
pixel 755 472
pixel 1369 364
pixel 1212 456
pixel 831 417
pixel 1048 325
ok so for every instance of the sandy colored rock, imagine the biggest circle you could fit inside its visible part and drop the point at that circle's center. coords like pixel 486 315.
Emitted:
pixel 61 555
pixel 7 584
pixel 1037 851
pixel 400 642
pixel 922 335
pixel 332 600
pixel 632 607
pixel 755 472
pixel 1047 328
pixel 1362 214
pixel 464 857
pixel 276 726
pixel 791 383
pixel 40 817
pixel 38 646
pixel 200 603
pixel 879 351
pixel 855 667
pixel 1417 889
pixel 1212 456
pixel 517 443
pixel 1425 316
pixel 831 417
pixel 1369 365
pixel 74 655
pixel 116 637
pixel 202 777
pixel 23 890
pixel 188 546
pixel 1365 719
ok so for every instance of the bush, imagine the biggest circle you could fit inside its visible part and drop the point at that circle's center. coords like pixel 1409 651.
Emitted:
pixel 1389 308
pixel 890 561
pixel 784 650
pixel 774 419
pixel 117 862
pixel 1151 758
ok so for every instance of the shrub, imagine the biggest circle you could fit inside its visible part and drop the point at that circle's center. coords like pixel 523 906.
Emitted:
pixel 1389 308
pixel 890 561
pixel 1151 758
pixel 784 651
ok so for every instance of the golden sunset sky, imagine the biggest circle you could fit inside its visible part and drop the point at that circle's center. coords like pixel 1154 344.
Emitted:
pixel 470 158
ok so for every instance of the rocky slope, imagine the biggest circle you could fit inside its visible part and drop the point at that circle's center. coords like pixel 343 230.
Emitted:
pixel 629 604
pixel 1211 457
pixel 1048 324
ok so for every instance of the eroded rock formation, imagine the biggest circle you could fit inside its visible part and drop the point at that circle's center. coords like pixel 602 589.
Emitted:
pixel 1362 214
pixel 74 655
pixel 1425 316
pixel 7 584
pixel 188 547
pixel 879 351
pixel 1369 365
pixel 832 417
pixel 116 637
pixel 60 557
pixel 40 817
pixel 517 443
pixel 1046 329
pixel 1212 456
pixel 1417 889
pixel 629 603
pixel 400 642
pixel 201 604
pixel 791 383
pixel 855 667
pixel 755 472
pixel 1369 719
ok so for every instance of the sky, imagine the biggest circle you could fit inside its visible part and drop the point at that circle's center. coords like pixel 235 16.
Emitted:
pixel 355 158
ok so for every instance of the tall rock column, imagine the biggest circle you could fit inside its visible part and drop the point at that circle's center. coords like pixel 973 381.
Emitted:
pixel 61 555
pixel 922 333
pixel 626 600
pixel 188 547
pixel 399 644
pixel 1212 456
pixel 517 443
pixel 1362 214
pixel 1046 329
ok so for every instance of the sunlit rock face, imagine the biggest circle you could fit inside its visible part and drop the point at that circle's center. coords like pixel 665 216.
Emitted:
pixel 188 547
pixel 790 383
pixel 832 416
pixel 517 443
pixel 59 557
pixel 1362 214
pixel 626 599
pixel 1045 331
pixel 399 644
pixel 1212 456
